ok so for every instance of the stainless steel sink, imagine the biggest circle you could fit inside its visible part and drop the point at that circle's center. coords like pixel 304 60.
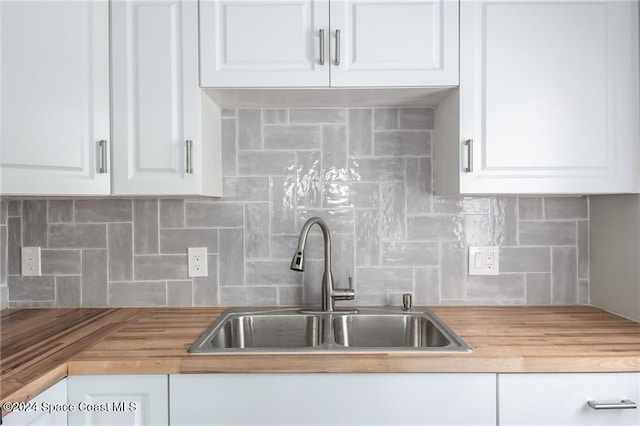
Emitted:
pixel 388 331
pixel 385 329
pixel 278 330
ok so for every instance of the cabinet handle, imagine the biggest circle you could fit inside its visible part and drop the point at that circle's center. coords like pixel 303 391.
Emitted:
pixel 188 156
pixel 337 62
pixel 622 405
pixel 102 147
pixel 469 144
pixel 321 47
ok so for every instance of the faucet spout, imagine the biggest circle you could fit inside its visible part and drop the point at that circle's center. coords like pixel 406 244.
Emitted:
pixel 329 294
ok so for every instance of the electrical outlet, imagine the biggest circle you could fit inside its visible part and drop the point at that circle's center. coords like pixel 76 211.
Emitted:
pixel 484 260
pixel 197 261
pixel 30 261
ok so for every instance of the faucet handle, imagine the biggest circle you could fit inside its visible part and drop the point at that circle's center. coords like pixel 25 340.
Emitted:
pixel 344 293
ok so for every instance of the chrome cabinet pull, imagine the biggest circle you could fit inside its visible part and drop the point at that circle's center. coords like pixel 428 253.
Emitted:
pixel 469 144
pixel 337 62
pixel 321 47
pixel 102 146
pixel 625 404
pixel 188 156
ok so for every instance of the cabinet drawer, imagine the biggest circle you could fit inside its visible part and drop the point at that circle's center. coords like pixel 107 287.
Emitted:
pixel 335 399
pixel 561 399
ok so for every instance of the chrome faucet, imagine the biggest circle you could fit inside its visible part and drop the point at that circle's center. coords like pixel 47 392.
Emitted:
pixel 329 294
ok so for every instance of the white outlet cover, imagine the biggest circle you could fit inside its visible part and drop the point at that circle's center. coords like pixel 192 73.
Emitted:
pixel 197 262
pixel 30 262
pixel 484 260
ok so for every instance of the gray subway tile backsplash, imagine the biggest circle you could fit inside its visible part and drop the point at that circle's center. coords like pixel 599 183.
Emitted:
pixel 97 210
pixel 147 293
pixel 120 251
pixel 60 211
pixel 290 137
pixel 60 262
pixel 77 235
pixel 366 171
pixel 158 267
pixel 171 213
pixel 94 277
pixel 416 118
pixel 564 276
pixel 68 291
pixel 177 241
pixel 145 227
pixel 566 208
pixel 249 129
pixel 14 242
pixel 538 288
pixel 31 288
pixel 317 115
pixel 34 223
pixel 360 132
pixel 548 233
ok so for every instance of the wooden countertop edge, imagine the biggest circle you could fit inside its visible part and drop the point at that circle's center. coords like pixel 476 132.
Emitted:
pixel 36 387
pixel 349 364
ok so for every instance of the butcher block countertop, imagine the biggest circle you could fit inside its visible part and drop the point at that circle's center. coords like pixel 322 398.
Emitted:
pixel 40 346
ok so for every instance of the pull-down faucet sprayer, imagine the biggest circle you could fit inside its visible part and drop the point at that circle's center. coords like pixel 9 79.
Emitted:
pixel 329 294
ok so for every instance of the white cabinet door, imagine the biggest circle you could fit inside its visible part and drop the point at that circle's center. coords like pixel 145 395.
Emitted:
pixel 336 399
pixel 46 409
pixel 322 43
pixel 157 105
pixel 263 43
pixel 390 43
pixel 54 97
pixel 118 400
pixel 561 399
pixel 548 98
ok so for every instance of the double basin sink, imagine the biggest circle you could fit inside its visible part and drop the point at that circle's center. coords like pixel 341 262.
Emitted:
pixel 382 329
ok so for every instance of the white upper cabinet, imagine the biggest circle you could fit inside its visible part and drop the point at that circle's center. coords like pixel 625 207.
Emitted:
pixel 387 43
pixel 322 43
pixel 263 43
pixel 162 141
pixel 54 97
pixel 56 112
pixel 548 100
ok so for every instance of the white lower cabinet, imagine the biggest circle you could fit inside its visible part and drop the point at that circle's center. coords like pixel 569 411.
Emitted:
pixel 335 399
pixel 562 399
pixel 118 400
pixel 46 409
